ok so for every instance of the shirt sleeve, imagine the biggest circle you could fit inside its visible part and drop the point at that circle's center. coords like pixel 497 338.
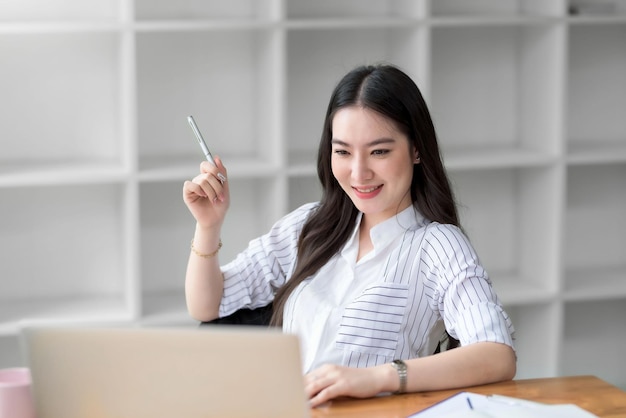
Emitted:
pixel 251 279
pixel 464 294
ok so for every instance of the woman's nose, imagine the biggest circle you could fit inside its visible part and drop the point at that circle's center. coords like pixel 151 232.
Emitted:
pixel 361 170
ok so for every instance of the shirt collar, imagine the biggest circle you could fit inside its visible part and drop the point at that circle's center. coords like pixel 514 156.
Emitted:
pixel 385 232
pixel 390 229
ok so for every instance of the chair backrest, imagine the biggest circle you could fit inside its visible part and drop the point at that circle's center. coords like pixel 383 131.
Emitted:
pixel 259 316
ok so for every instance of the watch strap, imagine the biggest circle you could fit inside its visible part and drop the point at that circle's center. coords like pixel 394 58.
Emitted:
pixel 400 367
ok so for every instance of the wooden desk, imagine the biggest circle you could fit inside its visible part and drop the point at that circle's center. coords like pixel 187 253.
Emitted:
pixel 588 392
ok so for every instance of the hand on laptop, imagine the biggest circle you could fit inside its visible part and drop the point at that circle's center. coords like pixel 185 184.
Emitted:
pixel 331 381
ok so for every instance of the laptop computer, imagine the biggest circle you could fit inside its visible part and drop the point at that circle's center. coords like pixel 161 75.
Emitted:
pixel 99 372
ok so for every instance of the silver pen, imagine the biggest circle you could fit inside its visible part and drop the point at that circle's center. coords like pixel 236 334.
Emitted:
pixel 196 131
pixel 205 149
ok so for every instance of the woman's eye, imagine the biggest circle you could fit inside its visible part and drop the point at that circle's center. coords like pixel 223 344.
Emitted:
pixel 341 152
pixel 380 152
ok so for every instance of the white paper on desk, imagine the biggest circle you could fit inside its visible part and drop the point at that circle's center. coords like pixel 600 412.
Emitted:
pixel 489 406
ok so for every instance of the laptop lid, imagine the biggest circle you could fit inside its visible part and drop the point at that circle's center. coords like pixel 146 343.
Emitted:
pixel 163 373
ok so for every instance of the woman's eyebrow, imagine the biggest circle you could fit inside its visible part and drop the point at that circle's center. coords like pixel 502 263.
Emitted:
pixel 369 144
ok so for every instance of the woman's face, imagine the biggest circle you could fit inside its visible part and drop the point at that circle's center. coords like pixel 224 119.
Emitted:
pixel 373 162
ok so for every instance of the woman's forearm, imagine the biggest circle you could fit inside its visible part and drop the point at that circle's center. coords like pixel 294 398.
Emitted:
pixel 475 364
pixel 470 365
pixel 204 283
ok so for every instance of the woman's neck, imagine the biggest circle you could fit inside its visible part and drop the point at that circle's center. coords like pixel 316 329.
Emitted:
pixel 365 240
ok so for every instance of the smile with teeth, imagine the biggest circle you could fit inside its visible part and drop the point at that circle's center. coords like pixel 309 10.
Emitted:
pixel 368 190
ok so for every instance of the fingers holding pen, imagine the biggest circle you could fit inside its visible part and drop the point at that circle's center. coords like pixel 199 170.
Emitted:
pixel 207 196
pixel 218 170
pixel 210 184
pixel 212 180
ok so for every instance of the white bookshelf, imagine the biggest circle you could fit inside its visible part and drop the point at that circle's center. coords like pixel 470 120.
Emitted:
pixel 528 100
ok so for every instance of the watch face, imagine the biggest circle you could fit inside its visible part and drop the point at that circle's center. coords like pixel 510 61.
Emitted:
pixel 399 364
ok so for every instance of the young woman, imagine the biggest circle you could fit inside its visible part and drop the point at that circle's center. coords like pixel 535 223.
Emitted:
pixel 372 276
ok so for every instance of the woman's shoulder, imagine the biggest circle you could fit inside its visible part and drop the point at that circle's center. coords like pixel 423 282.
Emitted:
pixel 306 208
pixel 446 236
pixel 437 228
pixel 303 212
pixel 298 216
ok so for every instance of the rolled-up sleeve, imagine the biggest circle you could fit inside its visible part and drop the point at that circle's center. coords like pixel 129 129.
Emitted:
pixel 464 294
pixel 484 321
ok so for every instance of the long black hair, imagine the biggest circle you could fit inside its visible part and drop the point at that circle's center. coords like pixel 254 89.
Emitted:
pixel 393 94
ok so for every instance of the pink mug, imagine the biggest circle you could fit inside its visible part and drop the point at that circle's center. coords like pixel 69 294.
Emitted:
pixel 16 399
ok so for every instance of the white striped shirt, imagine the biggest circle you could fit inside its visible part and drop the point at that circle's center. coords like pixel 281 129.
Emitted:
pixel 393 303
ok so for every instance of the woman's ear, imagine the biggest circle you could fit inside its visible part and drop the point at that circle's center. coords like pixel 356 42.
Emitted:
pixel 417 159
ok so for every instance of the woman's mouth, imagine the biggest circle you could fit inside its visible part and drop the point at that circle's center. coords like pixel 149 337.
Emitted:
pixel 367 192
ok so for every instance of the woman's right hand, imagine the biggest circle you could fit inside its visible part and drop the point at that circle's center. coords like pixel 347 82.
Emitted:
pixel 207 196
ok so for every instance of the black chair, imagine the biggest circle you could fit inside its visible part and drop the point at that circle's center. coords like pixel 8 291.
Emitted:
pixel 446 343
pixel 259 316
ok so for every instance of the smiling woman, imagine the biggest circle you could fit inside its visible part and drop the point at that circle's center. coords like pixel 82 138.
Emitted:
pixel 373 276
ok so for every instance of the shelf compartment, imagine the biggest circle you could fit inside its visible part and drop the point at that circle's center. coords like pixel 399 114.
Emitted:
pixel 363 23
pixel 155 169
pixel 80 231
pixel 503 212
pixel 222 81
pixel 248 10
pixel 519 292
pixel 14 174
pixel 12 352
pixel 60 27
pixel 595 231
pixel 59 10
pixel 598 283
pixel 72 109
pixel 596 10
pixel 311 77
pixel 536 339
pixel 303 189
pixel 492 156
pixel 302 163
pixel 78 228
pixel 166 308
pixel 167 227
pixel 499 87
pixel 485 8
pixel 593 340
pixel 351 9
pixel 596 109
pixel 590 152
pixel 70 310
